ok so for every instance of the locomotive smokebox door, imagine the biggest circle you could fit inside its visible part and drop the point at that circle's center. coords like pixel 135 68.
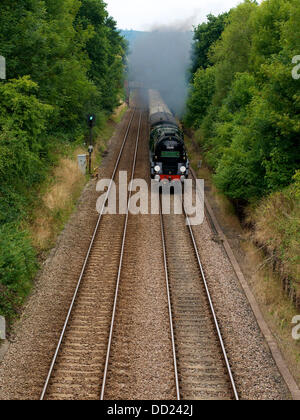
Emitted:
pixel 91 120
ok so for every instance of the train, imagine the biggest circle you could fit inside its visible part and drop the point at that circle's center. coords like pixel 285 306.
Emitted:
pixel 168 156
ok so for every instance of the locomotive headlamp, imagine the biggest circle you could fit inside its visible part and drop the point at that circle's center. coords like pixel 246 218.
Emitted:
pixel 157 168
pixel 183 169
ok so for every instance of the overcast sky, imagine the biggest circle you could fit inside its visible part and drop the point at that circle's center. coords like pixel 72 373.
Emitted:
pixel 146 14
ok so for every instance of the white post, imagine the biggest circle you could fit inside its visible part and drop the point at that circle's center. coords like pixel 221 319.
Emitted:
pixel 2 67
pixel 82 163
pixel 2 328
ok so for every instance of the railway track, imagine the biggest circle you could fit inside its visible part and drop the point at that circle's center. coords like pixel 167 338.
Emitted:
pixel 91 359
pixel 76 370
pixel 201 365
pixel 119 271
pixel 139 360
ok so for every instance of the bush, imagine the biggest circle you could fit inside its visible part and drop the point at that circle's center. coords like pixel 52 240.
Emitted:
pixel 200 97
pixel 23 119
pixel 18 265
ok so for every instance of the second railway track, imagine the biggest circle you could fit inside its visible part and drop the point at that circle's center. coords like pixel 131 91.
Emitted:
pixel 76 371
pixel 201 365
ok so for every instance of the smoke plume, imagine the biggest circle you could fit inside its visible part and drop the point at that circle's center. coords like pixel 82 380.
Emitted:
pixel 160 60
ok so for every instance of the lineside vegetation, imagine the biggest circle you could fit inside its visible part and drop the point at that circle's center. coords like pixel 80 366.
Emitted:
pixel 244 104
pixel 65 58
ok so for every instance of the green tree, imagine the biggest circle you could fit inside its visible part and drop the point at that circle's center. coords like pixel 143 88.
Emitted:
pixel 64 59
pixel 106 49
pixel 231 54
pixel 205 36
pixel 23 119
pixel 290 28
pixel 200 96
pixel 38 39
pixel 22 40
pixel 267 24
pixel 250 124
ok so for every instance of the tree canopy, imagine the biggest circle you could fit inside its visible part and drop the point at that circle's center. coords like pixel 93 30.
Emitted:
pixel 245 102
pixel 65 59
pixel 205 35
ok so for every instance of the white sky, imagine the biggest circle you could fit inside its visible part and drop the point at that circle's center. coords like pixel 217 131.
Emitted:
pixel 144 14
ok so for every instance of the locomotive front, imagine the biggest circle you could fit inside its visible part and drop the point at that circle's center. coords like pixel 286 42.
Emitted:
pixel 168 157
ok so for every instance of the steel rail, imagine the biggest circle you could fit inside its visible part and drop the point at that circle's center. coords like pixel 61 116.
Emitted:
pixel 169 302
pixel 216 322
pixel 85 262
pixel 120 267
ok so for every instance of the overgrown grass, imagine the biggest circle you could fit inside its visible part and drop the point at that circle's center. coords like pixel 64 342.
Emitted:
pixel 62 189
pixel 56 202
pixel 277 227
pixel 276 306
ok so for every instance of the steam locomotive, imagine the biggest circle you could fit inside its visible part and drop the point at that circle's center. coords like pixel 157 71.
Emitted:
pixel 168 157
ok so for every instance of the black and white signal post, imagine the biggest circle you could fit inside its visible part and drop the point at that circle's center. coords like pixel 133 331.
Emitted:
pixel 91 120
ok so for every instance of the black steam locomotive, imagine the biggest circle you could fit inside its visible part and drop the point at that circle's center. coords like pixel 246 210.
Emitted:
pixel 168 157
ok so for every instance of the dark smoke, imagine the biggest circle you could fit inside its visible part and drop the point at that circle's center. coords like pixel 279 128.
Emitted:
pixel 160 60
